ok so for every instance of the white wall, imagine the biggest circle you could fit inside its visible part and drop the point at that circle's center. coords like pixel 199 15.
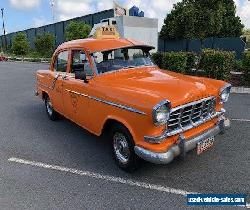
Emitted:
pixel 139 28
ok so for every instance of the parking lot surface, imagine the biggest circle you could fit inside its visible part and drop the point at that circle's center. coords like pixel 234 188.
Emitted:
pixel 58 165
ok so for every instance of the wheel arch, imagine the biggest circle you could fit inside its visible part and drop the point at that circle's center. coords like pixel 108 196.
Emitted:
pixel 44 94
pixel 111 120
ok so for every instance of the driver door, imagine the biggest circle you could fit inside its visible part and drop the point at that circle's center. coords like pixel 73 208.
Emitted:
pixel 75 91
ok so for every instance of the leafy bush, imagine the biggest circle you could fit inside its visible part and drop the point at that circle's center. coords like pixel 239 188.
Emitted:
pixel 157 58
pixel 238 65
pixel 20 44
pixel 77 30
pixel 217 64
pixel 45 44
pixel 246 67
pixel 175 61
pixel 191 61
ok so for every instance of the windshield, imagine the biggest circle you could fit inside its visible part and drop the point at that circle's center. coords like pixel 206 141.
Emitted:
pixel 121 59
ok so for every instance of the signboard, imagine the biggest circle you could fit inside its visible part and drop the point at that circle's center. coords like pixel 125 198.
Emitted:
pixel 106 32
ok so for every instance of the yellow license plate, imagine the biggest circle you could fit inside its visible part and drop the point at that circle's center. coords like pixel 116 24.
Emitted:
pixel 205 145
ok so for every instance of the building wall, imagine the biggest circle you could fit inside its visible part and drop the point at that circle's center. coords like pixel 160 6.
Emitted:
pixel 57 29
pixel 139 28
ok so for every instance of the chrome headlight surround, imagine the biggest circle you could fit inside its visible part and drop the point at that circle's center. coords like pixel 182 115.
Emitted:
pixel 224 93
pixel 161 112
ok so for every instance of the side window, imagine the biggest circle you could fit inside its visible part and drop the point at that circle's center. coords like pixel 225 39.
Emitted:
pixel 80 62
pixel 61 61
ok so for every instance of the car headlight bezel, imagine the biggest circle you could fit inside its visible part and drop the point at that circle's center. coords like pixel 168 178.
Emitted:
pixel 224 93
pixel 161 113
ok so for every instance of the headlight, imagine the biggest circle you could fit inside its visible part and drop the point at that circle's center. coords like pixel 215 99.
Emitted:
pixel 161 113
pixel 224 94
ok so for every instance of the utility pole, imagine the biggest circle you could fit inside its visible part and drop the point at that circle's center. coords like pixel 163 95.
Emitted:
pixel 52 4
pixel 4 41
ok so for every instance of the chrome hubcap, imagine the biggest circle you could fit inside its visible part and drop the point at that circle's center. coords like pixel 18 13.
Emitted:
pixel 49 106
pixel 121 147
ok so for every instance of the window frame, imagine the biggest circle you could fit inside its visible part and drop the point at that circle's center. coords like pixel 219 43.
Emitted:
pixel 54 63
pixel 88 57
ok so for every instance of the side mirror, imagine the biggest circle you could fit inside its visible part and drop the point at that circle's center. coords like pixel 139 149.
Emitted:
pixel 81 75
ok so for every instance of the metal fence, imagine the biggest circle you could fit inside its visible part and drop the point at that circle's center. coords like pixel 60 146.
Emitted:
pixel 57 29
pixel 229 44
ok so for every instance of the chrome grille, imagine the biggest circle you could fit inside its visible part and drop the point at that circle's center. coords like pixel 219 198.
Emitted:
pixel 190 114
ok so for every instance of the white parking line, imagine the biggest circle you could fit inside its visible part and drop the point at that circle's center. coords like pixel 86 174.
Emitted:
pixel 241 120
pixel 106 177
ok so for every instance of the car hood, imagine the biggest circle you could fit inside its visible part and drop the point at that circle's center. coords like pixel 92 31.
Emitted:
pixel 153 84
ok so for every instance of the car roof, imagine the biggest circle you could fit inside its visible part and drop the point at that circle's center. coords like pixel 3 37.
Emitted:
pixel 97 45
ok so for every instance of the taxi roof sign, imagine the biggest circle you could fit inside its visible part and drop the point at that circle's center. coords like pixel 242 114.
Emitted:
pixel 106 32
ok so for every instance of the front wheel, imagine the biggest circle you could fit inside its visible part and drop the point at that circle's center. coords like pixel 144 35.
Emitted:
pixel 123 149
pixel 52 114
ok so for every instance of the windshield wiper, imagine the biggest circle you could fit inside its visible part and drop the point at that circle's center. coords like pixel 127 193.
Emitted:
pixel 129 67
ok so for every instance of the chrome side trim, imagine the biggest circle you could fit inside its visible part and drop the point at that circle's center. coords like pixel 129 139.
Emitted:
pixel 159 139
pixel 108 102
pixel 176 150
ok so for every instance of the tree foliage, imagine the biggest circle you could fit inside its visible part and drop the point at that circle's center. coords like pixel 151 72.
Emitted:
pixel 45 44
pixel 199 19
pixel 246 33
pixel 20 44
pixel 231 24
pixel 77 30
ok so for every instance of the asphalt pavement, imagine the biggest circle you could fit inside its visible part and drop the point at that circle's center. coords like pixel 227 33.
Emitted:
pixel 58 165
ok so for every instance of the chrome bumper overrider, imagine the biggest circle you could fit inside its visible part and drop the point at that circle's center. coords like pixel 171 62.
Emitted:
pixel 184 146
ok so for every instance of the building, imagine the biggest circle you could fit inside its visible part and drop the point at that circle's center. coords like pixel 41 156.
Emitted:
pixel 57 29
pixel 133 27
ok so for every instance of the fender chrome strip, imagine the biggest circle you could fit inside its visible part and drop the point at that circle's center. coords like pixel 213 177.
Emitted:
pixel 108 102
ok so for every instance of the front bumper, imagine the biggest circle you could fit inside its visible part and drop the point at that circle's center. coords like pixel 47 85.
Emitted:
pixel 184 146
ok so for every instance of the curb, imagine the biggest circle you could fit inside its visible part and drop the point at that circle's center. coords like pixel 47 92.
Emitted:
pixel 240 90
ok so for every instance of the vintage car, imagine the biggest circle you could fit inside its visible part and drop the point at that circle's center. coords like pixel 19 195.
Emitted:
pixel 108 85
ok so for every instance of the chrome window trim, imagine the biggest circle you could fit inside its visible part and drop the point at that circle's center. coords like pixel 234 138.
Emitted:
pixel 128 108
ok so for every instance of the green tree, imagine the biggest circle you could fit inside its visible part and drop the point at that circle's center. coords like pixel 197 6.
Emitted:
pixel 180 23
pixel 246 33
pixel 20 44
pixel 77 30
pixel 231 24
pixel 45 44
pixel 199 19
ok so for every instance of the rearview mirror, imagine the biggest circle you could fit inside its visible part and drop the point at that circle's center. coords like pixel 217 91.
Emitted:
pixel 81 75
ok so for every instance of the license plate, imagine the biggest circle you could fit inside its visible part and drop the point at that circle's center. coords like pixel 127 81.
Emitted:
pixel 205 145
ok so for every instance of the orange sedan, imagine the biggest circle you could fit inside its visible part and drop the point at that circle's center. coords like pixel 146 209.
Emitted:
pixel 111 86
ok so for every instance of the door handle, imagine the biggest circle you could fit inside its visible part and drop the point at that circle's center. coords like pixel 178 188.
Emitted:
pixel 65 77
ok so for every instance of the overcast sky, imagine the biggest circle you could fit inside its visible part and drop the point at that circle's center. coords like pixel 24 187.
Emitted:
pixel 23 14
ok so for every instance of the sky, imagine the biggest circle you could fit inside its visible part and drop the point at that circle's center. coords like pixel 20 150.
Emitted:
pixel 24 14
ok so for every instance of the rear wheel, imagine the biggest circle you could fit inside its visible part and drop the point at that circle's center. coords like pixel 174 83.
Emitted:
pixel 52 114
pixel 123 148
